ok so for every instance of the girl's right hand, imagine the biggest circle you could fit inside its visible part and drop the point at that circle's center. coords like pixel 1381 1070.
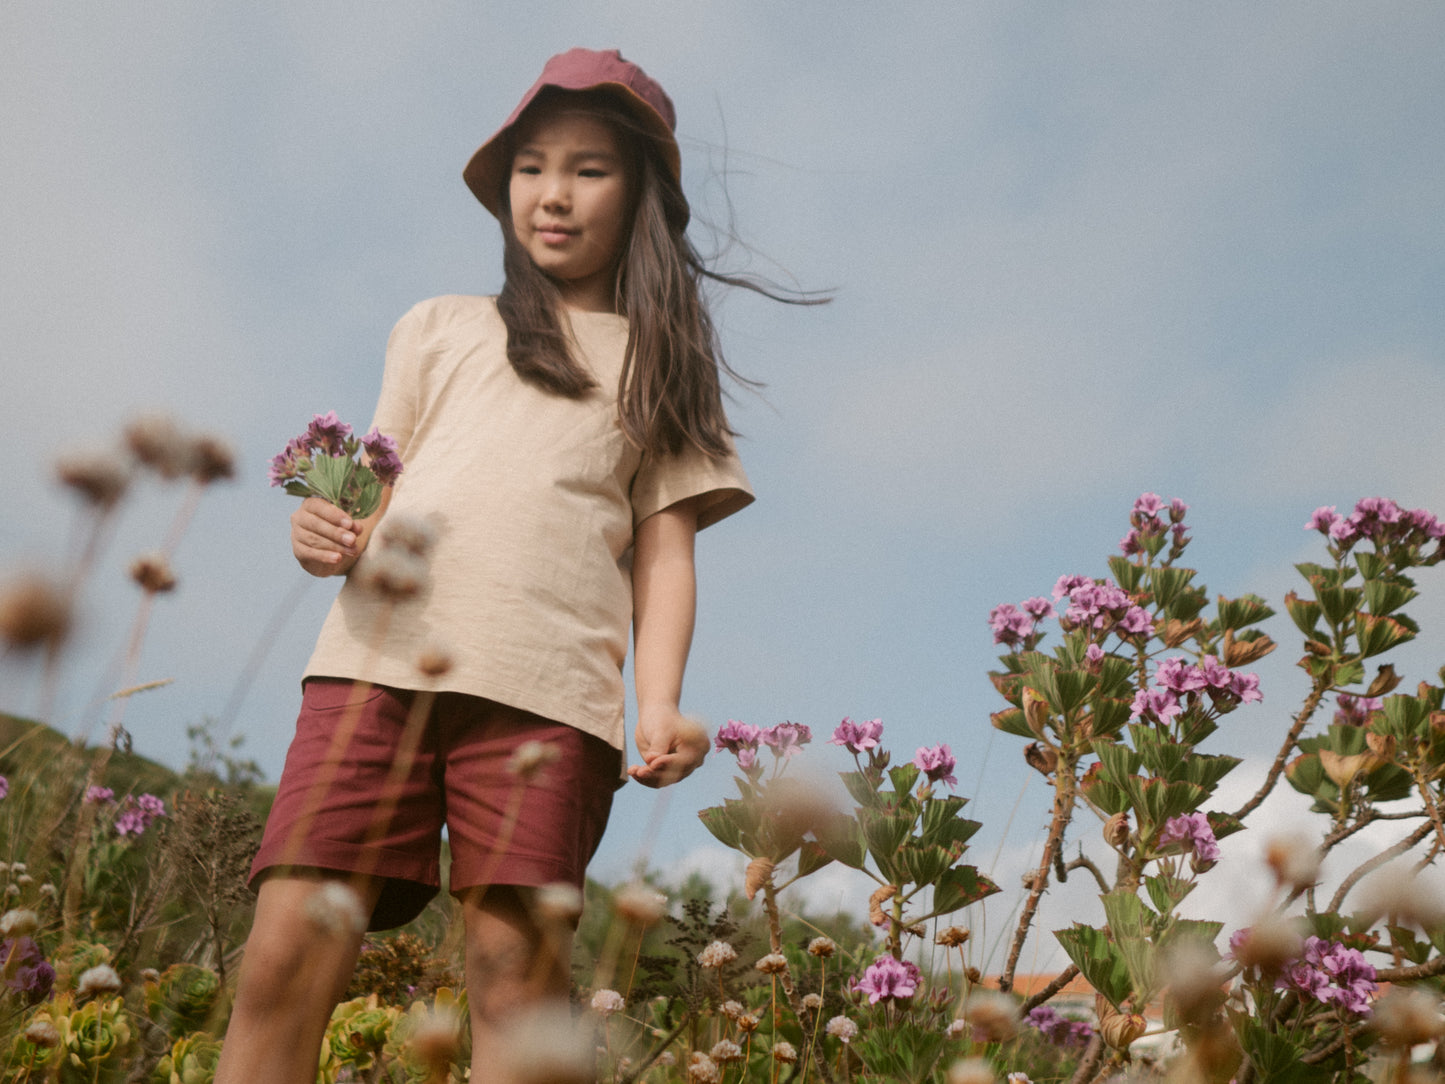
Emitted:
pixel 324 539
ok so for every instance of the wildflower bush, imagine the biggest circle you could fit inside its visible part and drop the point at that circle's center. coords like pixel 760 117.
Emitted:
pixel 125 906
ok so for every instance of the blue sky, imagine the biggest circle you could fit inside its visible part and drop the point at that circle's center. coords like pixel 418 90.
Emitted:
pixel 1079 252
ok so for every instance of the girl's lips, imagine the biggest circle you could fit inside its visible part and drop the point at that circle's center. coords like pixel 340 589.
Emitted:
pixel 554 235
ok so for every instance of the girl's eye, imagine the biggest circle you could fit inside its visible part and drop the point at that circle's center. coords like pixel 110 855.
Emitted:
pixel 592 173
pixel 529 170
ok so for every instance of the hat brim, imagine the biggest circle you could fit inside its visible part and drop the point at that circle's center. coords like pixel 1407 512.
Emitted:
pixel 490 167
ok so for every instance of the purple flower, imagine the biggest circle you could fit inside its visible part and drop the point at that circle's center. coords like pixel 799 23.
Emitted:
pixel 1136 622
pixel 1148 504
pixel 1059 1030
pixel 1246 688
pixel 1037 608
pixel 787 739
pixel 1010 625
pixel 736 737
pixel 937 763
pixel 889 979
pixel 1067 585
pixel 1331 973
pixel 1129 544
pixel 382 456
pixel 1161 703
pixel 1093 654
pixel 4 787
pixel 1356 710
pixel 857 737
pixel 137 814
pixel 1178 675
pixel 1215 674
pixel 1343 531
pixel 1177 508
pixel 327 433
pixel 31 977
pixel 289 463
pixel 98 795
pixel 1192 830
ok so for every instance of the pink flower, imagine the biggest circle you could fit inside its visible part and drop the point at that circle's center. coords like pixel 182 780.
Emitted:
pixel 1148 504
pixel 937 763
pixel 889 979
pixel 1246 687
pixel 382 457
pixel 857 737
pixel 1323 519
pixel 1160 703
pixel 98 795
pixel 327 433
pixel 1193 831
pixel 1067 585
pixel 787 739
pixel 1135 622
pixel 137 814
pixel 736 737
pixel 1010 625
pixel 1356 710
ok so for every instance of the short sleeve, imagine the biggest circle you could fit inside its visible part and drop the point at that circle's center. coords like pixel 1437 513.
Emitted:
pixel 397 406
pixel 663 480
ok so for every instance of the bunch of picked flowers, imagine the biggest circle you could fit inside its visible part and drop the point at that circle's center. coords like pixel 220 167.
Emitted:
pixel 322 462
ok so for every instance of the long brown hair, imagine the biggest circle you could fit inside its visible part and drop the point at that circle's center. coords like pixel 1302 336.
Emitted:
pixel 669 393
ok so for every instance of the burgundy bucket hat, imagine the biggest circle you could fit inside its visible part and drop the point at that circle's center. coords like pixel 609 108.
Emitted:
pixel 582 69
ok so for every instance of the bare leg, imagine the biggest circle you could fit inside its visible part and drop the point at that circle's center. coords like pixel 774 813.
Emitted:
pixel 292 976
pixel 511 966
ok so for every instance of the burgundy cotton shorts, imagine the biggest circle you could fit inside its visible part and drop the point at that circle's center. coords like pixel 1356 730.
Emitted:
pixel 344 806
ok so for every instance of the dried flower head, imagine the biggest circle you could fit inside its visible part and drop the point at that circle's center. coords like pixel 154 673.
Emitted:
pixel 98 477
pixel 212 459
pixel 774 963
pixel 785 1052
pixel 716 954
pixel 336 909
pixel 639 905
pixel 18 923
pixel 701 1069
pixel 876 901
pixel 842 1029
pixel 812 1002
pixel 731 1009
pixel 822 947
pixel 43 1033
pixel 1194 979
pixel 952 937
pixel 34 612
pixel 1408 1017
pixel 97 981
pixel 158 443
pixel 530 758
pixel 559 903
pixel 1295 860
pixel 748 1022
pixel 1404 897
pixel 970 1071
pixel 994 1016
pixel 153 572
pixel 434 661
pixel 410 533
pixel 1269 945
pixel 394 574
pixel 547 1046
pixel 608 1002
pixel 725 1051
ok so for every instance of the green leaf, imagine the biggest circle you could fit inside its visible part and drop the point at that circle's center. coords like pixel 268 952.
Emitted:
pixel 959 887
pixel 1377 634
pixel 842 839
pixel 1387 596
pixel 1372 565
pixel 1304 613
pixel 1107 796
pixel 884 833
pixel 1167 892
pixel 812 857
pixel 942 824
pixel 1109 716
pixel 903 777
pixel 923 865
pixel 718 821
pixel 1125 572
pixel 861 788
pixel 1239 613
pixel 1011 721
pixel 1074 687
pixel 1099 960
pixel 1338 603
pixel 1167 583
pixel 1118 763
pixel 1206 770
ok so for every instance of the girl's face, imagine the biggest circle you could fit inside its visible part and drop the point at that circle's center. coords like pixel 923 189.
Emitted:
pixel 569 200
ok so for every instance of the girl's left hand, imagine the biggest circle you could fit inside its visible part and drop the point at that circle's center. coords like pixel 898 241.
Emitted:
pixel 671 746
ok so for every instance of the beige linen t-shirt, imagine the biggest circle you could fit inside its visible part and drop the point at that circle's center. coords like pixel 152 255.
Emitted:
pixel 534 498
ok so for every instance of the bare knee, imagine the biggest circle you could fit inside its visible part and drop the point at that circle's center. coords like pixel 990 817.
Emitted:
pixel 512 961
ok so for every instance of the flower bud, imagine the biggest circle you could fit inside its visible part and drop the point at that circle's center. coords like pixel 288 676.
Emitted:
pixel 152 571
pixel 1294 859
pixel 822 947
pixel 211 460
pixel 33 612
pixel 952 937
pixel 876 901
pixel 1120 1029
pixel 96 476
pixel 993 1015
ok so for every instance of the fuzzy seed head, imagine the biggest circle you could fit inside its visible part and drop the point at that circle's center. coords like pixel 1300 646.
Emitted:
pixel 994 1016
pixel 18 923
pixel 701 1069
pixel 152 571
pixel 43 1033
pixel 822 947
pixel 717 954
pixel 97 981
pixel 530 758
pixel 337 910
pixel 639 905
pixel 409 533
pixel 842 1029
pixel 97 476
pixel 725 1051
pixel 559 903
pixel 785 1053
pixel 970 1071
pixel 34 612
pixel 774 963
pixel 1408 1017
pixel 1295 860
pixel 952 937
pixel 394 574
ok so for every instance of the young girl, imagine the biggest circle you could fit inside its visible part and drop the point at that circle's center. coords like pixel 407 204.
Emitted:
pixel 565 441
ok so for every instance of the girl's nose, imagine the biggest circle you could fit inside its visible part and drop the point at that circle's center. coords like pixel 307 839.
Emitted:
pixel 556 195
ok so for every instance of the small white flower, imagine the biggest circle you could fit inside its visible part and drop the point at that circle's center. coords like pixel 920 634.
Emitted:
pixel 717 954
pixel 19 923
pixel 559 902
pixel 607 1002
pixel 822 947
pixel 785 1052
pixel 812 1002
pixel 701 1069
pixel 840 1027
pixel 639 905
pixel 726 1051
pixel 101 979
pixel 772 964
pixel 337 909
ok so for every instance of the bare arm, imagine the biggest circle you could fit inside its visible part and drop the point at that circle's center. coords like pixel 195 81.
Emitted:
pixel 325 540
pixel 664 602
